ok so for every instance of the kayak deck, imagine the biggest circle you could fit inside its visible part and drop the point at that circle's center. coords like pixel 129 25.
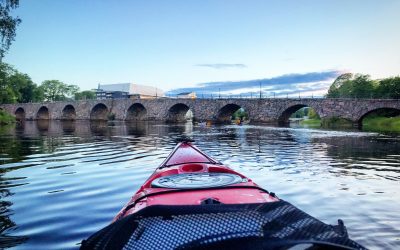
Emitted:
pixel 194 202
pixel 190 177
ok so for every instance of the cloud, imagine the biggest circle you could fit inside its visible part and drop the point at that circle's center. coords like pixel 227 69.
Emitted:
pixel 280 85
pixel 222 65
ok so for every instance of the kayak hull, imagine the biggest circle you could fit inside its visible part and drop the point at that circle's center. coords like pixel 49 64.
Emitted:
pixel 192 201
pixel 184 166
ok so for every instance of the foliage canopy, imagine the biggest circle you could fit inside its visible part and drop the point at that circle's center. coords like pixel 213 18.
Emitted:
pixel 362 86
pixel 8 25
pixel 85 95
pixel 19 87
pixel 55 90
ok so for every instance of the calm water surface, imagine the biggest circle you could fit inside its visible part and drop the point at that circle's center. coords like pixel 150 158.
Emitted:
pixel 60 182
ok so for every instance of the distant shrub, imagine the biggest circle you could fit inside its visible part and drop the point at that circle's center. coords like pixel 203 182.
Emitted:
pixel 6 118
pixel 333 122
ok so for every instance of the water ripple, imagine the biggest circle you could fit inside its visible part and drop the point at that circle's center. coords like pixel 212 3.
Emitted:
pixel 58 188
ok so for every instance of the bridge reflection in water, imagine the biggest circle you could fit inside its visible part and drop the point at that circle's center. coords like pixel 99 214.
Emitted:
pixel 96 128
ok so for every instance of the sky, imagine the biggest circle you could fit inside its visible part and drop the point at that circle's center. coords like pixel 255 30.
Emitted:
pixel 208 46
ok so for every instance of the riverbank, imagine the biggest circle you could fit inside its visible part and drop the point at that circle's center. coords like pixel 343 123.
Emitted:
pixel 311 122
pixel 6 118
pixel 379 124
pixel 384 124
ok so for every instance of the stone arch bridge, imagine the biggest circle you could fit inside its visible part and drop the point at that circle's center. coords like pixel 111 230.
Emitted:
pixel 218 110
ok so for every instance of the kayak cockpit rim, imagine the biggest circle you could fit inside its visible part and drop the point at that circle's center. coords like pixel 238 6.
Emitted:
pixel 146 195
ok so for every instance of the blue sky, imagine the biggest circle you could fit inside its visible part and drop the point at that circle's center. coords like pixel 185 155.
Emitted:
pixel 176 45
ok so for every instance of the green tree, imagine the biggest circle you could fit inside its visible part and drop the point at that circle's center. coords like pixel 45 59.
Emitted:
pixel 240 114
pixel 85 95
pixel 55 90
pixel 298 114
pixel 363 87
pixel 353 86
pixel 6 118
pixel 306 110
pixel 17 87
pixel 8 25
pixel 72 90
pixel 346 89
pixel 7 93
pixel 23 86
pixel 333 91
pixel 38 94
pixel 312 114
pixel 389 88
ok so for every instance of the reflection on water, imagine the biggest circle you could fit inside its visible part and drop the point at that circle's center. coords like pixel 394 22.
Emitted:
pixel 61 181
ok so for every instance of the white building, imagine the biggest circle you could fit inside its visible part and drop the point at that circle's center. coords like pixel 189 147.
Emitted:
pixel 190 95
pixel 132 90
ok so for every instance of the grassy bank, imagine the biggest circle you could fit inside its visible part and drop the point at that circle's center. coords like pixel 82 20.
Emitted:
pixel 332 122
pixel 6 118
pixel 384 124
pixel 336 122
pixel 378 123
pixel 311 122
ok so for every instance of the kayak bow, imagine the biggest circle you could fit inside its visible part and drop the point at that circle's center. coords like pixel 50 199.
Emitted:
pixel 192 201
pixel 190 177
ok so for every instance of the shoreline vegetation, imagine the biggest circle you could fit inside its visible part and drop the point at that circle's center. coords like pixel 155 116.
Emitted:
pixel 382 124
pixel 350 85
pixel 311 122
pixel 386 121
pixel 6 118
pixel 376 124
pixel 18 87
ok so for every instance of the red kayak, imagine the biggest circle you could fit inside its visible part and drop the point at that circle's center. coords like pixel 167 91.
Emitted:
pixel 192 201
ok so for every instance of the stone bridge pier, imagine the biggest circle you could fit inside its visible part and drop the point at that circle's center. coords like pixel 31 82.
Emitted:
pixel 271 110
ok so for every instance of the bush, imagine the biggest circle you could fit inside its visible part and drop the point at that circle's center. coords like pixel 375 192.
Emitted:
pixel 312 114
pixel 382 124
pixel 333 122
pixel 6 118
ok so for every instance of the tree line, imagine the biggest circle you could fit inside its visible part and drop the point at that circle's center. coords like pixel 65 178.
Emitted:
pixel 19 87
pixel 350 85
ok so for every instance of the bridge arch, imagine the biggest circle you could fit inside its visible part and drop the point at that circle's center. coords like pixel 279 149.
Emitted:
pixel 385 112
pixel 224 114
pixel 179 113
pixel 99 112
pixel 20 114
pixel 68 113
pixel 43 113
pixel 136 112
pixel 285 114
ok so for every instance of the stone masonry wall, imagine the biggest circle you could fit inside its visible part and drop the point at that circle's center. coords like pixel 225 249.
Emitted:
pixel 259 110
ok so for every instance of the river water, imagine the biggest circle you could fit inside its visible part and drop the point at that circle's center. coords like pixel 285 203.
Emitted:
pixel 60 182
